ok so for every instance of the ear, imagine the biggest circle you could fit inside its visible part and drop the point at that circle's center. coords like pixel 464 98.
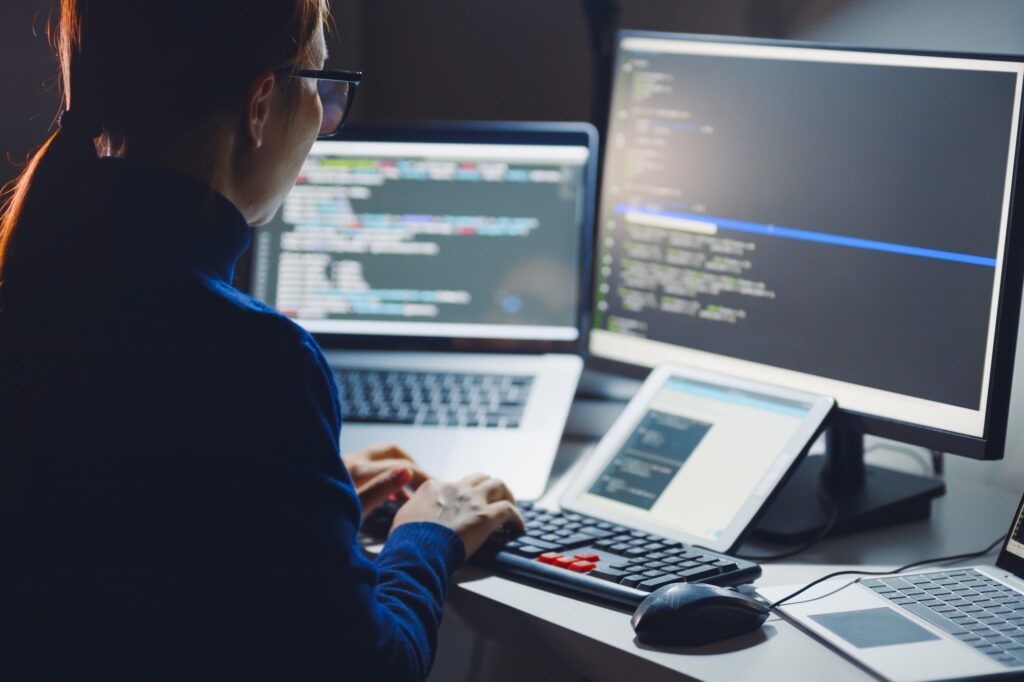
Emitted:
pixel 257 109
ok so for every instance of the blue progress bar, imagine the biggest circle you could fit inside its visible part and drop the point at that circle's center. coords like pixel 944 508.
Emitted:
pixel 820 237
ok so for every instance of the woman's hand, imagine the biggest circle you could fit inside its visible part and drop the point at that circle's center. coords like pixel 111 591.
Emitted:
pixel 474 507
pixel 381 471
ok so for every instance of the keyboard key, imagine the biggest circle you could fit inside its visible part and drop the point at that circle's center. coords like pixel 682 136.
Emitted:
pixel 936 619
pixel 633 579
pixel 698 573
pixel 526 539
pixel 655 583
pixel 575 540
pixel 607 573
pixel 528 551
pixel 595 532
pixel 582 566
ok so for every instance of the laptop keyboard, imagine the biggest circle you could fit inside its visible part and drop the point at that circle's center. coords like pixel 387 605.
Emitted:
pixel 488 401
pixel 594 558
pixel 981 612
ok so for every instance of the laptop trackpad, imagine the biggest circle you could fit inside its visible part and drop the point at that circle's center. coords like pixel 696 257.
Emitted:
pixel 873 627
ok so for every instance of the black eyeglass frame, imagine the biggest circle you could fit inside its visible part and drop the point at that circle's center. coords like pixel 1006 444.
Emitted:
pixel 340 75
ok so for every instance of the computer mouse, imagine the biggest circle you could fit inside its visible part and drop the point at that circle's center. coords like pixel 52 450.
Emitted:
pixel 688 614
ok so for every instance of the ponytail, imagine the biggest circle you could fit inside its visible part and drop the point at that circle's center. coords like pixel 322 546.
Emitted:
pixel 70 146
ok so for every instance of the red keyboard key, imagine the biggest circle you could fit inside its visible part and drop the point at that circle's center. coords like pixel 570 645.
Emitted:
pixel 564 561
pixel 588 557
pixel 582 566
pixel 549 557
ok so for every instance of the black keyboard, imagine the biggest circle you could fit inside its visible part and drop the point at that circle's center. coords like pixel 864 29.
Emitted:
pixel 983 613
pixel 487 401
pixel 593 558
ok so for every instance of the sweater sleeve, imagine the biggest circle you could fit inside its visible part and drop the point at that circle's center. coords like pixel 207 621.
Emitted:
pixel 322 601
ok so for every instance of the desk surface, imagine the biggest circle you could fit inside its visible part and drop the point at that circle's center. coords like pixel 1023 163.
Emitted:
pixel 597 642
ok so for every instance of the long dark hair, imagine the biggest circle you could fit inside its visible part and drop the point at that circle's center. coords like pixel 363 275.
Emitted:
pixel 137 74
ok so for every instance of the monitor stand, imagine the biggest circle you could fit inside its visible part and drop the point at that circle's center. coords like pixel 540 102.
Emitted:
pixel 867 496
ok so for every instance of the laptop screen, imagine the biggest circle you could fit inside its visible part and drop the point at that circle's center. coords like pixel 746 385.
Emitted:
pixel 431 238
pixel 1015 543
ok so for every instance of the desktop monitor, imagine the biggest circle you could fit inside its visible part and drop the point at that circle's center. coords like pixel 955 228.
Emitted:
pixel 830 219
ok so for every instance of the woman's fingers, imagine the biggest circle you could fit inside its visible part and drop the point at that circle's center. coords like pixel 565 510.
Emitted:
pixel 382 486
pixel 388 451
pixel 473 480
pixel 506 513
pixel 496 490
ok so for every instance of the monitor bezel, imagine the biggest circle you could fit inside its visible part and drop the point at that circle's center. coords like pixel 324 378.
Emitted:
pixel 991 445
pixel 549 133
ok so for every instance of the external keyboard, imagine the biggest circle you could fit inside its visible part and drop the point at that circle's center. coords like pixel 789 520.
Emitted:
pixel 981 612
pixel 593 558
pixel 492 401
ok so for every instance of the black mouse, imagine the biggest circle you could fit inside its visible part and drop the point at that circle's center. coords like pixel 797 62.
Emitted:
pixel 687 614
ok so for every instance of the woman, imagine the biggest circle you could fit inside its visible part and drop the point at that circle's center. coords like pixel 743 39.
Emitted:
pixel 174 500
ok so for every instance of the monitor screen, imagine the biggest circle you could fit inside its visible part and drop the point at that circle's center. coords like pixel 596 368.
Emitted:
pixel 429 239
pixel 829 220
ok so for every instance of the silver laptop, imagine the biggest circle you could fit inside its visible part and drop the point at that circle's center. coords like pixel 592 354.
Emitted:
pixel 443 269
pixel 939 624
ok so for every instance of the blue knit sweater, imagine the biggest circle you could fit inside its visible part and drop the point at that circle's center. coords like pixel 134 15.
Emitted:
pixel 174 503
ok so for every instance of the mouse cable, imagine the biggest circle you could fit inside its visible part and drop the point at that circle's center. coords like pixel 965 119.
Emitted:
pixel 901 569
pixel 833 517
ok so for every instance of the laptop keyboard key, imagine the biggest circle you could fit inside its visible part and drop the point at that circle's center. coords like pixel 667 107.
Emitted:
pixel 936 619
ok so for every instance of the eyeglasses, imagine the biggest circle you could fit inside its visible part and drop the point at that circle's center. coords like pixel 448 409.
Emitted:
pixel 337 91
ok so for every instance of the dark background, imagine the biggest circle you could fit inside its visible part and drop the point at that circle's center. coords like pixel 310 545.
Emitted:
pixel 515 59
pixel 425 59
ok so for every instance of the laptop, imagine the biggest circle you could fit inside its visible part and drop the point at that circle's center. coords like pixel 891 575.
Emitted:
pixel 443 268
pixel 938 624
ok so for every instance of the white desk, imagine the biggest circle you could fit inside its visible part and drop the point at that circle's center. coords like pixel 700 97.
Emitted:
pixel 596 643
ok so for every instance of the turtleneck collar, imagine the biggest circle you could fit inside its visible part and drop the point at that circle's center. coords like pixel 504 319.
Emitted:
pixel 170 216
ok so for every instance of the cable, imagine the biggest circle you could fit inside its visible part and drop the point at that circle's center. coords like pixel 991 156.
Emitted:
pixel 833 516
pixel 955 557
pixel 927 467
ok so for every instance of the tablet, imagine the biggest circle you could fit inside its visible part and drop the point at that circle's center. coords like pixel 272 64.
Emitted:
pixel 695 456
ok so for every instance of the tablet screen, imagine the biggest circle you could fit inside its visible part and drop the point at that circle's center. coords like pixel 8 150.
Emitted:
pixel 696 456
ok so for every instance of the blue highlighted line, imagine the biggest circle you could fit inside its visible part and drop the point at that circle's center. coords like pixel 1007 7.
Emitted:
pixel 820 237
